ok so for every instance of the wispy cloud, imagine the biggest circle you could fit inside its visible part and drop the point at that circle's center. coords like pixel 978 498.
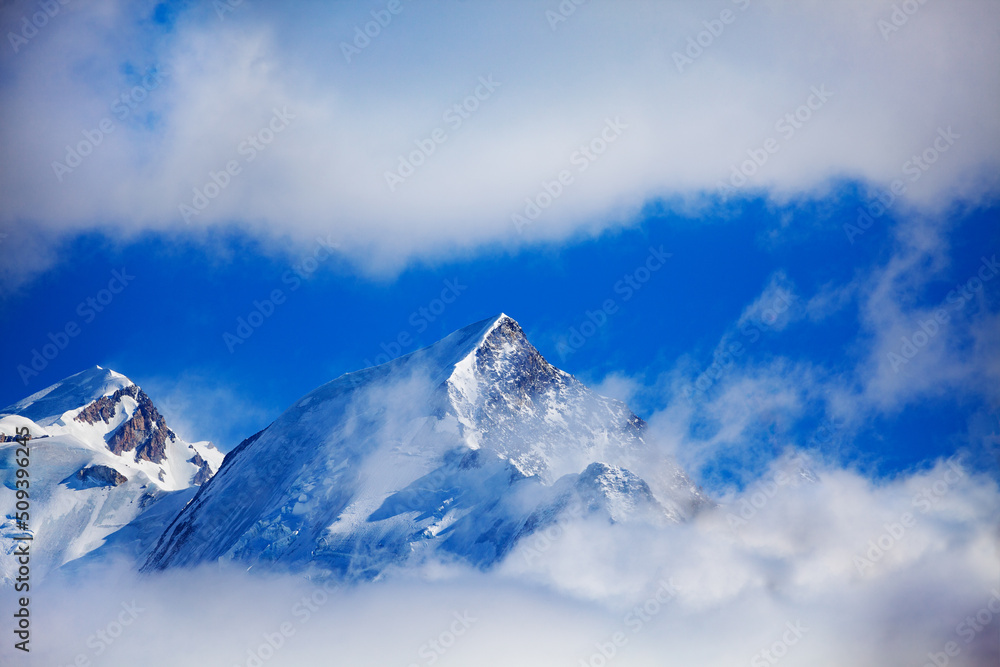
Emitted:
pixel 199 407
pixel 869 574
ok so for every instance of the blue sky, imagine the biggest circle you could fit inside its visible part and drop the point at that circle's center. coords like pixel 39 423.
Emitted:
pixel 198 86
pixel 166 328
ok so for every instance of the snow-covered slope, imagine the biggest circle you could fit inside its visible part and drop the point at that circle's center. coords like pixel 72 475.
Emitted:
pixel 457 449
pixel 100 456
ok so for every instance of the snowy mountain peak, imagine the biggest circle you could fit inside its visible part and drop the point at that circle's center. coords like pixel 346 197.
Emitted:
pixel 501 340
pixel 508 398
pixel 76 391
pixel 464 446
pixel 102 457
pixel 145 430
pixel 109 414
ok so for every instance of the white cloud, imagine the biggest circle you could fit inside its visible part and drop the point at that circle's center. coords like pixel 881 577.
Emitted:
pixel 324 173
pixel 915 342
pixel 776 307
pixel 618 386
pixel 792 558
pixel 918 346
pixel 829 299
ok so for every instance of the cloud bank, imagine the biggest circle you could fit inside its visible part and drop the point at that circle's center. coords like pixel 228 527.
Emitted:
pixel 434 132
pixel 809 566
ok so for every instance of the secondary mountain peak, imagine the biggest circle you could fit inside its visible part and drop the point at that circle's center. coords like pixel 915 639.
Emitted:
pixel 73 392
pixel 107 412
pixel 102 458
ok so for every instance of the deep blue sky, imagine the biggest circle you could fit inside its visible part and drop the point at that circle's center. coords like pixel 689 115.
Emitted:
pixel 168 324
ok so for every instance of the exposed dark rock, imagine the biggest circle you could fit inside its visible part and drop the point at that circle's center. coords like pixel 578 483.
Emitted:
pixel 96 475
pixel 145 432
pixel 104 408
pixel 204 470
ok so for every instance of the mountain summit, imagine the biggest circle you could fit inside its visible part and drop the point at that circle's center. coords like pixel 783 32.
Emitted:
pixel 101 457
pixel 459 449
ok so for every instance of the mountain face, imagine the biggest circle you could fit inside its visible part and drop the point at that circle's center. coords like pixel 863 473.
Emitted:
pixel 101 457
pixel 457 450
